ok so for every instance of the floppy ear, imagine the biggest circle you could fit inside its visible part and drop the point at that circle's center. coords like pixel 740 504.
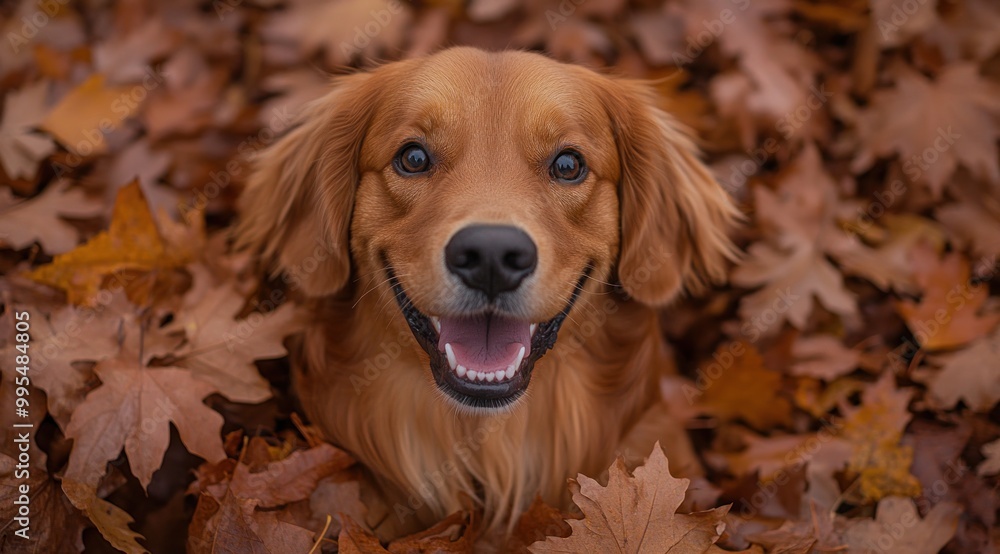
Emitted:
pixel 675 217
pixel 296 209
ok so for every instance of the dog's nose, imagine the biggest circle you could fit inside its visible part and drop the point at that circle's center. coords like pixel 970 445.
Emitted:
pixel 491 258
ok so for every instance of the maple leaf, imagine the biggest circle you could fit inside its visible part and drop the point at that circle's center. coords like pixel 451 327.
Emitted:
pixel 766 456
pixel 791 262
pixel 132 243
pixel 947 314
pixel 636 514
pixel 934 125
pixel 220 349
pixel 39 219
pixel 897 520
pixel 134 407
pixel 93 109
pixel 20 148
pixel 746 389
pixel 875 429
pixel 969 375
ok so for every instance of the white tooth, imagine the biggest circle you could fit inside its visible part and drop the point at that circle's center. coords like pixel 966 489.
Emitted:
pixel 520 356
pixel 480 376
pixel 501 375
pixel 510 371
pixel 490 377
pixel 532 328
pixel 460 370
pixel 450 354
pixel 471 375
pixel 437 323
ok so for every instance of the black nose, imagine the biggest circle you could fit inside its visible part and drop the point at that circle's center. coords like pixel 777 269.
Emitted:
pixel 491 258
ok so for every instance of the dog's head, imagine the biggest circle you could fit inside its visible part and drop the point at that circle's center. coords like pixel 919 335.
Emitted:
pixel 487 192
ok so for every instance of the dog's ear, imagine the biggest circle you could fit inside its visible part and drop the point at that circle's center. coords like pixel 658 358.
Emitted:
pixel 296 209
pixel 675 217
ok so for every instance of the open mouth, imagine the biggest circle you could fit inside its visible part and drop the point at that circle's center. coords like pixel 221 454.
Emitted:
pixel 482 360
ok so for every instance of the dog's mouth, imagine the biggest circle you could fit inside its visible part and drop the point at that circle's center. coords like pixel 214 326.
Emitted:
pixel 484 360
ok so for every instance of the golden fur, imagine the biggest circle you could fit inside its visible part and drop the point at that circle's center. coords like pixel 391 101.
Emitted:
pixel 324 206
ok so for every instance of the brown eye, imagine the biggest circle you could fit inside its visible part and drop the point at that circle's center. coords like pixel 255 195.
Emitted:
pixel 568 167
pixel 412 159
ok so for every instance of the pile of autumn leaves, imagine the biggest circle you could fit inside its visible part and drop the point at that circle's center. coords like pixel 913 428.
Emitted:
pixel 841 394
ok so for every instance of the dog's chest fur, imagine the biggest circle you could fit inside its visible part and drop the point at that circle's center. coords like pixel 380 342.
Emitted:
pixel 374 396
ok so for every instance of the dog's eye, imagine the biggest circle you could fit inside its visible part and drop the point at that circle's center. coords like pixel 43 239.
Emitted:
pixel 568 167
pixel 412 159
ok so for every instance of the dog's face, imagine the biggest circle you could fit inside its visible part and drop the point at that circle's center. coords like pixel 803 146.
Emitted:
pixel 487 192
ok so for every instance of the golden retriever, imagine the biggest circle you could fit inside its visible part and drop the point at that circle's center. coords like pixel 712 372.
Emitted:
pixel 483 239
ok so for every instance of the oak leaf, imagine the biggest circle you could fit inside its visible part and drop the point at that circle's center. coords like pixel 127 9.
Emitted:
pixel 636 513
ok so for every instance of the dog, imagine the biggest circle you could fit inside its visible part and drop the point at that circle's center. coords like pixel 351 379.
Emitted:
pixel 483 241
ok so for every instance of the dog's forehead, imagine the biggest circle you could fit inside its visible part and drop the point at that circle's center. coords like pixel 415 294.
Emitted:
pixel 509 87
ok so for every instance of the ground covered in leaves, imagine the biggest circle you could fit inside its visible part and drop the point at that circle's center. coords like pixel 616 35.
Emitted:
pixel 841 392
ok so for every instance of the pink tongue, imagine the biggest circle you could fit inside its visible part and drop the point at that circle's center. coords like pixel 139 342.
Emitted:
pixel 485 343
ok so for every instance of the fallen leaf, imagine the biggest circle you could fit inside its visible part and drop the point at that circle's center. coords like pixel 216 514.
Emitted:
pixel 875 429
pixel 134 407
pixel 20 147
pixel 948 313
pixel 40 218
pixel 291 479
pixel 537 523
pixel 746 389
pixel 133 243
pixel 898 528
pixel 969 375
pixel 823 357
pixel 354 539
pixel 991 465
pixel 110 520
pixel 934 125
pixel 92 110
pixel 234 525
pixel 62 526
pixel 636 514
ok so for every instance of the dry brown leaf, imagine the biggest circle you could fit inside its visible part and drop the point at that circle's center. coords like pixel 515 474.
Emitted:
pixel 898 528
pixel 947 315
pixel 971 375
pixel 354 539
pixel 110 520
pixel 991 465
pixel 291 479
pixel 134 407
pixel 54 525
pixel 235 526
pixel 976 222
pixel 823 357
pixel 875 430
pixel 221 349
pixel 20 148
pixel 791 264
pixel 934 125
pixel 537 523
pixel 93 109
pixel 636 513
pixel 454 534
pixel 747 390
pixel 40 218
pixel 888 264
pixel 133 243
